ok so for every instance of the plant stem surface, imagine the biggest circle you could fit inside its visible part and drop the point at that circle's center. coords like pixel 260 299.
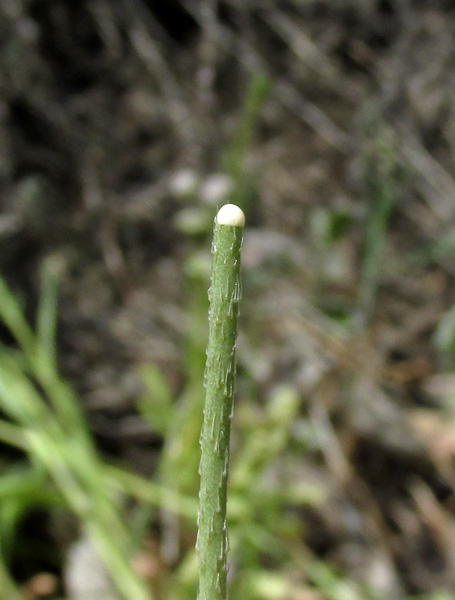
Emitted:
pixel 224 295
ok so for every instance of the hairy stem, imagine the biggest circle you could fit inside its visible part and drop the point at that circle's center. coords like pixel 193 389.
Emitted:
pixel 224 297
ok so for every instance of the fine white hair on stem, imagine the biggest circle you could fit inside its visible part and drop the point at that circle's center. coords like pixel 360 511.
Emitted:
pixel 230 215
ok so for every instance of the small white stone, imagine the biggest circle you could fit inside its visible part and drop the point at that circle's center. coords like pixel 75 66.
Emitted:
pixel 230 215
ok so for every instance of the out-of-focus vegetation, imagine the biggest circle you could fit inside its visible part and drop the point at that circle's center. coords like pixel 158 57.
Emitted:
pixel 123 126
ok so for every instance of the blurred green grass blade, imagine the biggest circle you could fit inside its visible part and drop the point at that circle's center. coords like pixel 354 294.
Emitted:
pixel 155 404
pixel 333 586
pixel 11 512
pixel 18 397
pixel 266 440
pixel 25 483
pixel 15 508
pixel 44 363
pixel 179 460
pixel 150 492
pixel 50 427
pixel 41 364
pixel 12 435
pixel 90 502
pixel 13 317
pixel 46 318
pixel 22 488
pixel 233 159
pixel 258 90
pixel 67 407
pixel 85 492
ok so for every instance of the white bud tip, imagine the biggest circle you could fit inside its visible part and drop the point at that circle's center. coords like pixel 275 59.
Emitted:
pixel 230 215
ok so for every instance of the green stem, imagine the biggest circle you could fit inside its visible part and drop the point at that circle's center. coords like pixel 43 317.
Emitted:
pixel 220 372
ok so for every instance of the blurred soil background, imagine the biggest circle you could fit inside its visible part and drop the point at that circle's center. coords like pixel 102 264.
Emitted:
pixel 124 124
